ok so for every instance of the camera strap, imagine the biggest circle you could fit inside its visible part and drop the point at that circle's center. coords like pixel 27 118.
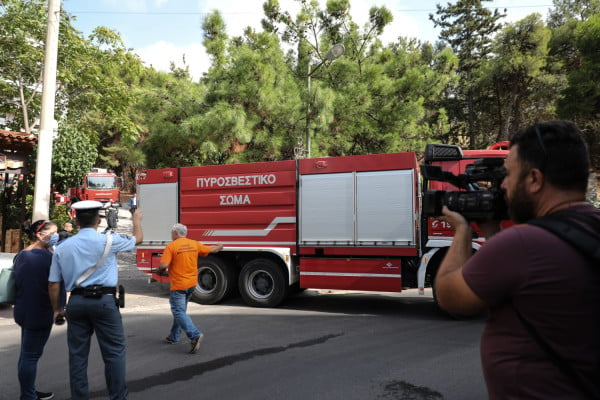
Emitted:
pixel 569 226
pixel 91 270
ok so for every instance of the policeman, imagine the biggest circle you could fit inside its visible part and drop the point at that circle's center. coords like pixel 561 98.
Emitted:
pixel 87 263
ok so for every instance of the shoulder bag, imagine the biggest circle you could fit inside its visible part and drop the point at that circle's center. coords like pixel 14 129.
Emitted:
pixel 8 289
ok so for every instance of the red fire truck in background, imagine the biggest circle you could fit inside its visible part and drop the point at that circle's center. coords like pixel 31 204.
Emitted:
pixel 99 184
pixel 349 223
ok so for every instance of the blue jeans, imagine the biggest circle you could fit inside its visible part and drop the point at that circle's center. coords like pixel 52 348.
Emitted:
pixel 32 347
pixel 178 299
pixel 84 317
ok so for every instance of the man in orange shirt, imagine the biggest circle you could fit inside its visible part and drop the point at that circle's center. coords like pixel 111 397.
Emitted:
pixel 181 259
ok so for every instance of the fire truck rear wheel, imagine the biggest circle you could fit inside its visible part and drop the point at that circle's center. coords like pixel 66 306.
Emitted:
pixel 216 280
pixel 440 255
pixel 262 283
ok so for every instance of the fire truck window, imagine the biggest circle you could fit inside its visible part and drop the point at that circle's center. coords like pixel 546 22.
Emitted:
pixel 101 182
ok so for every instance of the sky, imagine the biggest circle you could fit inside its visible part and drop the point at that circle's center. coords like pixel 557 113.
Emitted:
pixel 161 31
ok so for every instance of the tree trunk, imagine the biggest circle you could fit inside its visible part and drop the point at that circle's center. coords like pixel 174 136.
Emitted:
pixel 24 109
pixel 471 119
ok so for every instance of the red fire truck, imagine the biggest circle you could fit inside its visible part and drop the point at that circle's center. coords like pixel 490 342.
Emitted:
pixel 99 184
pixel 349 223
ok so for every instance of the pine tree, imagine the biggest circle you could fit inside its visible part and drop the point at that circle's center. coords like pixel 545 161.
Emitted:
pixel 468 27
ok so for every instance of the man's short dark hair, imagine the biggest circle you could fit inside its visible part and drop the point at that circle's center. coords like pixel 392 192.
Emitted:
pixel 86 219
pixel 557 149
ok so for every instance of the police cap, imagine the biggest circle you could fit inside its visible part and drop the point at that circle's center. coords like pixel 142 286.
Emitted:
pixel 87 206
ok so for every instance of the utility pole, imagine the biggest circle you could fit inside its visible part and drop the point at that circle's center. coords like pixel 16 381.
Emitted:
pixel 43 170
pixel 308 104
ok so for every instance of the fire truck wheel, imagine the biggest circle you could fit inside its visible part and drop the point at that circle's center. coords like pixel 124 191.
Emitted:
pixel 263 283
pixel 216 280
pixel 433 291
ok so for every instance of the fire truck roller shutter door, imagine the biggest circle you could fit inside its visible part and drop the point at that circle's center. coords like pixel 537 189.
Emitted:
pixel 216 280
pixel 263 283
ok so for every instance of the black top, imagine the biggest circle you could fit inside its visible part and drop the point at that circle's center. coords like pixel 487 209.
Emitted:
pixel 32 308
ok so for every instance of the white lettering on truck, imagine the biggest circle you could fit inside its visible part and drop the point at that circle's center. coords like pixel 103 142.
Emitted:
pixel 231 181
pixel 234 200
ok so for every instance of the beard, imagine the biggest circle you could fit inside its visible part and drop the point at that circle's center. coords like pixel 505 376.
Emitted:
pixel 521 207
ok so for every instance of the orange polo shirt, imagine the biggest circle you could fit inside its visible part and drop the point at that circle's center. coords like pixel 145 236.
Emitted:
pixel 182 257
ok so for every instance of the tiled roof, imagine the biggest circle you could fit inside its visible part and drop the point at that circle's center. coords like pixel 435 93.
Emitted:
pixel 17 141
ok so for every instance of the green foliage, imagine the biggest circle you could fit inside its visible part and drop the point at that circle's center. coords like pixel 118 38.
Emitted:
pixel 58 215
pixel 572 10
pixel 163 104
pixel 73 155
pixel 581 98
pixel 12 209
pixel 514 74
pixel 215 38
pixel 93 98
pixel 22 31
pixel 265 91
pixel 254 104
pixel 468 27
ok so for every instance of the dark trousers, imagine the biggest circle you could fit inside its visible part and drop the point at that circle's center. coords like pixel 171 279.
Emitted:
pixel 32 347
pixel 86 316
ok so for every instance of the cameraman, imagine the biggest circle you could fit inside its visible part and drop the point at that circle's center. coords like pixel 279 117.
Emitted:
pixel 528 270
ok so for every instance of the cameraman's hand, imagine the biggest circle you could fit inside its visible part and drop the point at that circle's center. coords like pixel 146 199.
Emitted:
pixel 453 218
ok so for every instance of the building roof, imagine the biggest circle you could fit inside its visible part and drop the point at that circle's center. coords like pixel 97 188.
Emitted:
pixel 15 148
pixel 17 141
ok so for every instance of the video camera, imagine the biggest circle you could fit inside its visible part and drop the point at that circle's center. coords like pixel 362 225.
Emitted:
pixel 473 202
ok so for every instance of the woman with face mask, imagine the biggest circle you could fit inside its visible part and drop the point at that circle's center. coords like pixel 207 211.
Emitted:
pixel 32 310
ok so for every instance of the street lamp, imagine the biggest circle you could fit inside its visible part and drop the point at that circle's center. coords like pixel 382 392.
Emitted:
pixel 334 53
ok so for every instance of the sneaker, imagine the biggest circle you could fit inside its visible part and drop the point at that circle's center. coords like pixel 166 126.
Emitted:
pixel 44 396
pixel 168 340
pixel 196 344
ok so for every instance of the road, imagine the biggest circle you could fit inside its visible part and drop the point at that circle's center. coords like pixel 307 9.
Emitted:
pixel 317 345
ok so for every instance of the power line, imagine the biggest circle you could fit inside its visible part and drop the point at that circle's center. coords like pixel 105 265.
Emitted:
pixel 494 6
pixel 407 10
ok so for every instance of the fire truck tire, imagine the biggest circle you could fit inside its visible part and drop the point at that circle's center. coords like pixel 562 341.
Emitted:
pixel 216 280
pixel 263 283
pixel 435 299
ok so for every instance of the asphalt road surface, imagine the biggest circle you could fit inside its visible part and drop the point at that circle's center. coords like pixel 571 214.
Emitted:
pixel 317 345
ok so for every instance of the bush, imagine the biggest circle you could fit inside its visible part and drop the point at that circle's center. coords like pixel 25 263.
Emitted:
pixel 58 215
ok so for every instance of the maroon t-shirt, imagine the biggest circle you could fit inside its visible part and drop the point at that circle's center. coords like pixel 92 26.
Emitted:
pixel 558 291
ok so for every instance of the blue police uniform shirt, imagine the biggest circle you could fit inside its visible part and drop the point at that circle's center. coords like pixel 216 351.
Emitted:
pixel 82 251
